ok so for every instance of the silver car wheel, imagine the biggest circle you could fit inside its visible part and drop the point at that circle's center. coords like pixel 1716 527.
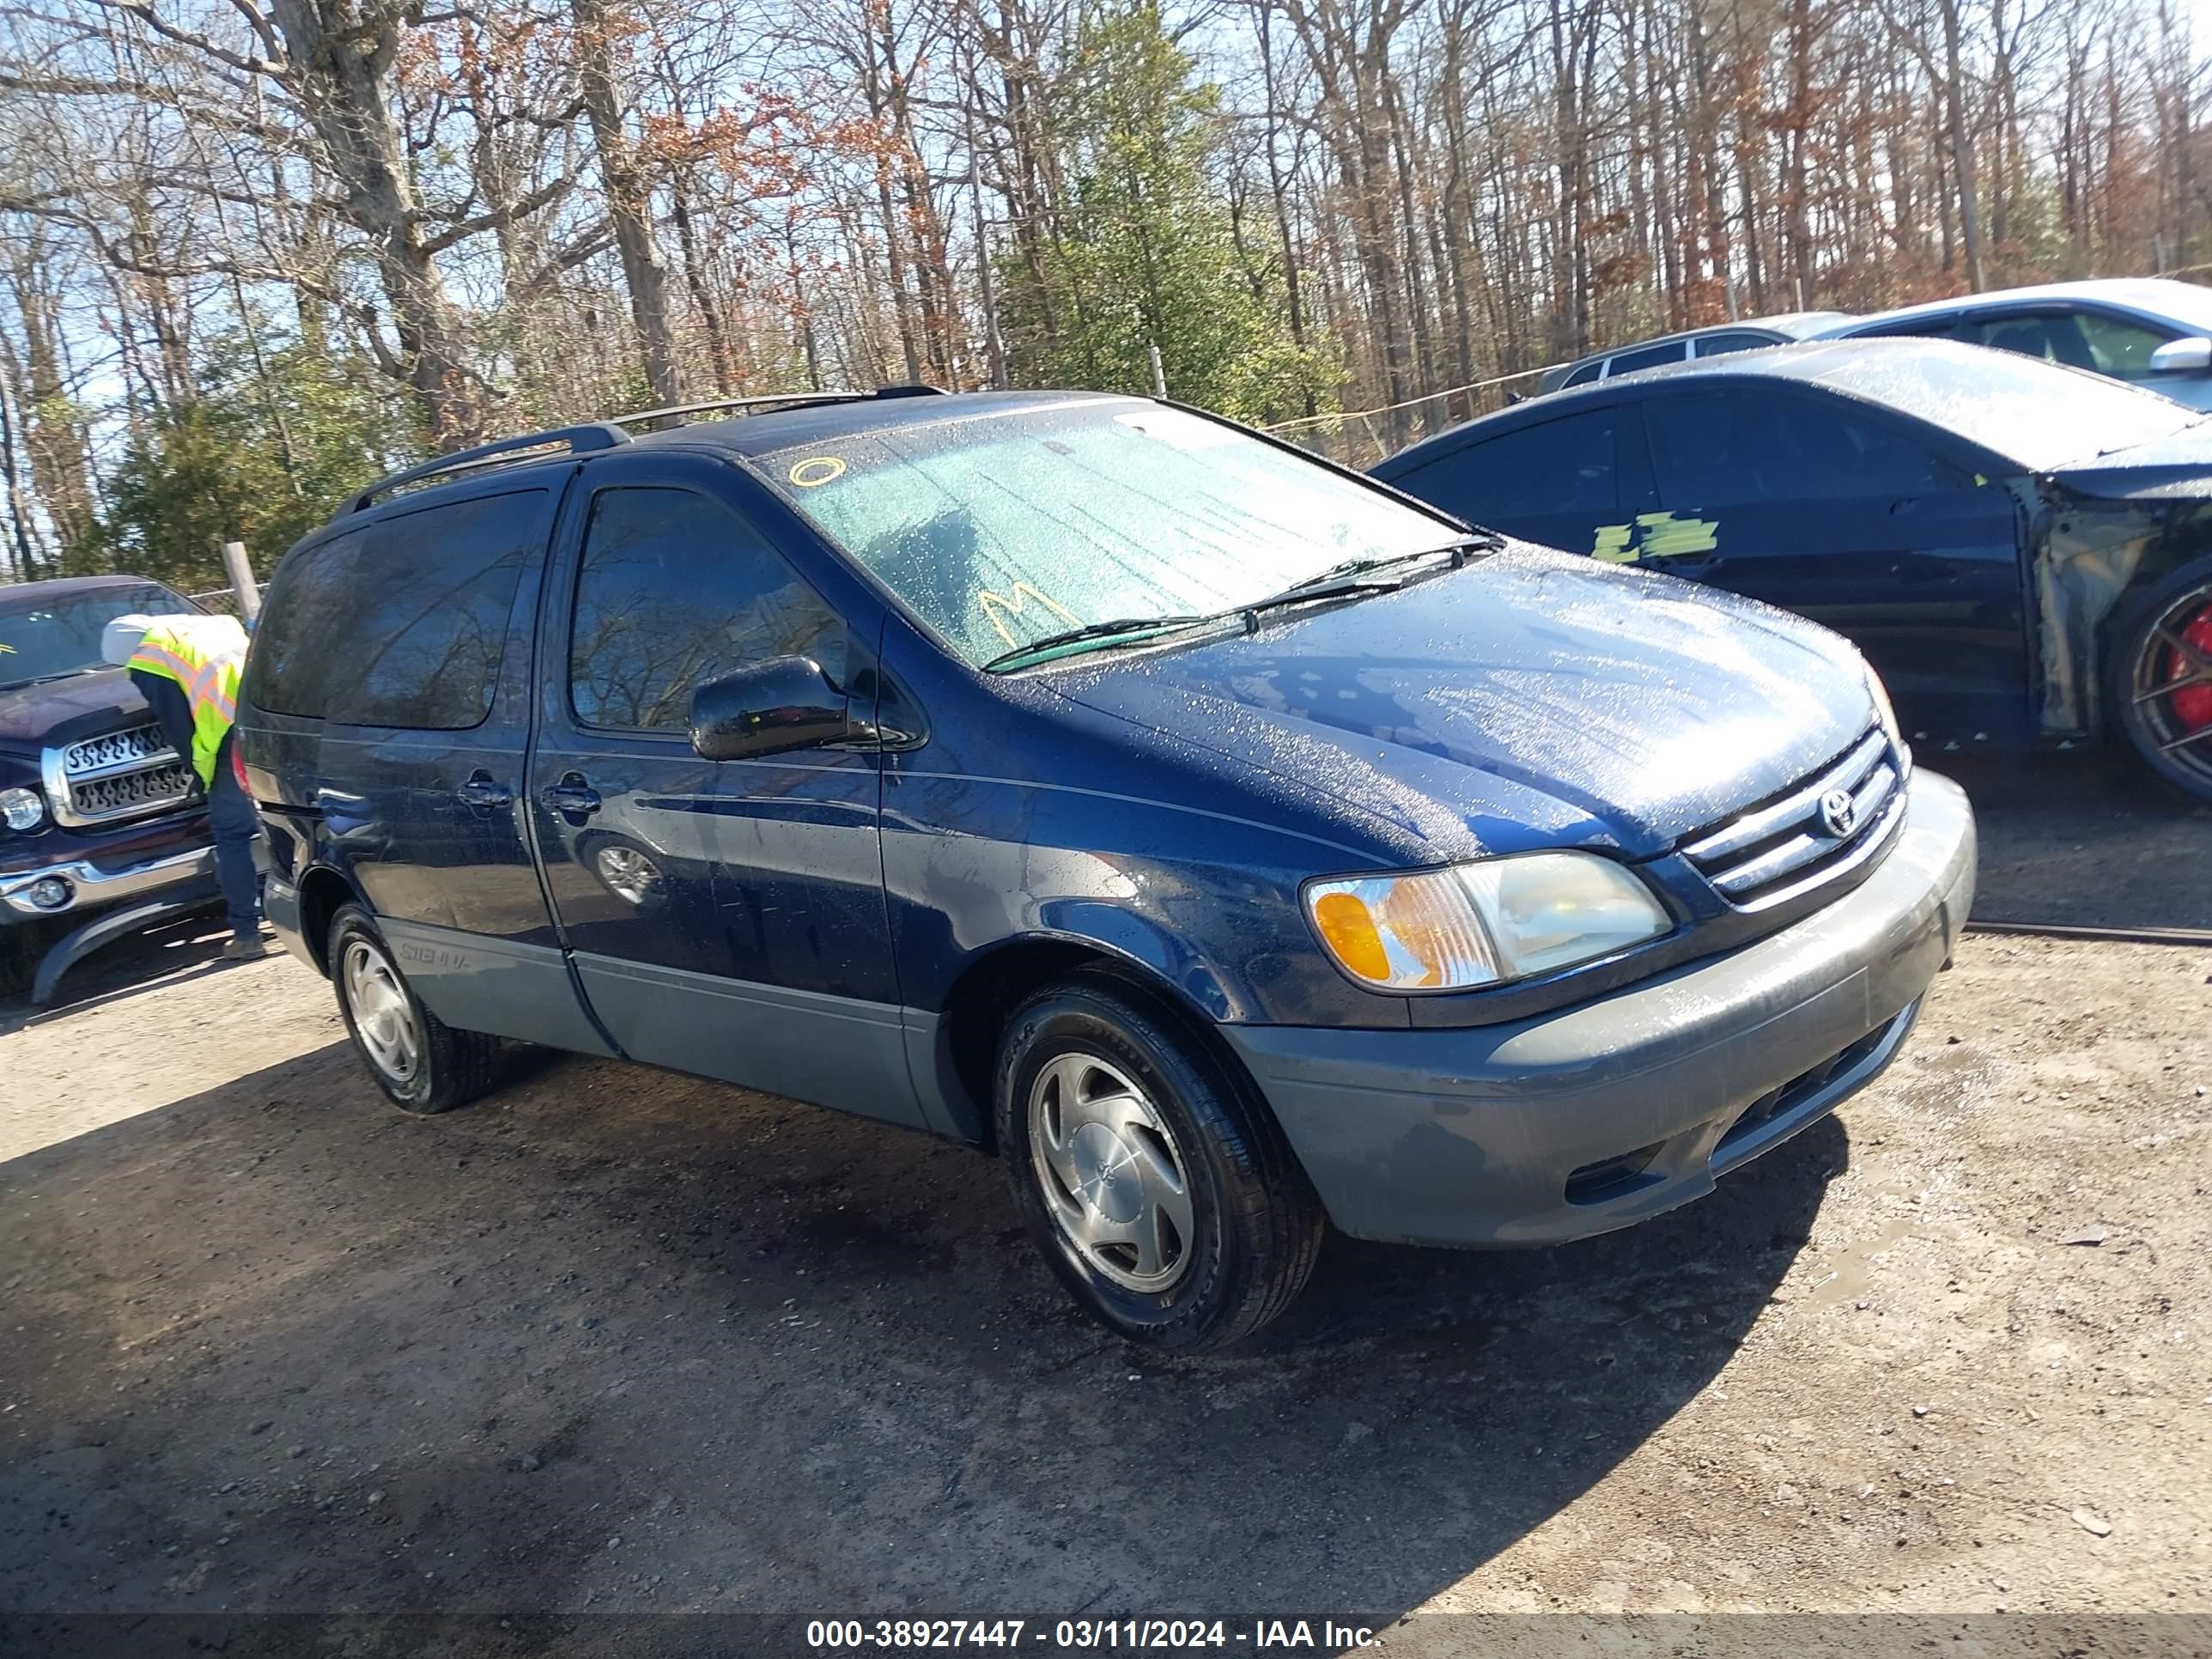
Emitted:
pixel 1113 1178
pixel 383 1016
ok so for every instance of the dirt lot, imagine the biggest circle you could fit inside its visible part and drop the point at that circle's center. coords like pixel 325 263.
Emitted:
pixel 616 1340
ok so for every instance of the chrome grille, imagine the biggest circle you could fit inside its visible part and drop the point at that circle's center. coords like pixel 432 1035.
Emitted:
pixel 131 791
pixel 119 775
pixel 116 748
pixel 1806 835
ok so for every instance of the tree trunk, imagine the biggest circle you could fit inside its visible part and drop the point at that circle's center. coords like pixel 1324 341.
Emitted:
pixel 341 54
pixel 628 195
pixel 1962 145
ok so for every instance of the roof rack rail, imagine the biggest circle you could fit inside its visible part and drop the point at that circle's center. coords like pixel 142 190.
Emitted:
pixel 576 440
pixel 745 404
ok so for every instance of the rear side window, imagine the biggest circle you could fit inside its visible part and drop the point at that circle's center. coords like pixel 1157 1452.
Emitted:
pixel 299 646
pixel 1924 328
pixel 1719 345
pixel 1746 444
pixel 674 589
pixel 1627 363
pixel 403 623
pixel 1586 373
pixel 1562 467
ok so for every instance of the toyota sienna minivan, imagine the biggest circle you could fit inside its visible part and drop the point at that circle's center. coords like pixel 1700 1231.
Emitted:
pixel 1230 844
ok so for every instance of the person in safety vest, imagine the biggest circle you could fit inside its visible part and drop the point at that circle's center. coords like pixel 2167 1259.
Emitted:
pixel 186 667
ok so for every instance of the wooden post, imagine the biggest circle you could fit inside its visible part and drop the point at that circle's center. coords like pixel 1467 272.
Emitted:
pixel 241 580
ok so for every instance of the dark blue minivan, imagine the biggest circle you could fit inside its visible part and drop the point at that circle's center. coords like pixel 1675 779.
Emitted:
pixel 1234 844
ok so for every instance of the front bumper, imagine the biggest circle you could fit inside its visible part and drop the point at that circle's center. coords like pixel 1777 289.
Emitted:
pixel 93 886
pixel 1603 1114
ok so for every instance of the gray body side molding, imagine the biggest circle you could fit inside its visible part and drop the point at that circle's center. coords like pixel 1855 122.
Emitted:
pixel 807 1045
pixel 478 984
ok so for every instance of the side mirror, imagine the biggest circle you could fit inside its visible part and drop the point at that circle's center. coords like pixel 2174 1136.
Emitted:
pixel 2189 356
pixel 769 708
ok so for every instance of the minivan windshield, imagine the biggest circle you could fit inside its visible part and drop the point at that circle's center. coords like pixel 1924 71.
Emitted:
pixel 43 639
pixel 999 530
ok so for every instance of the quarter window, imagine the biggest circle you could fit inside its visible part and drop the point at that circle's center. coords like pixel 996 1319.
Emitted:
pixel 1749 445
pixel 675 590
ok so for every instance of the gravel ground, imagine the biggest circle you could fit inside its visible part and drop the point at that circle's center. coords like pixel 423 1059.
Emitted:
pixel 621 1341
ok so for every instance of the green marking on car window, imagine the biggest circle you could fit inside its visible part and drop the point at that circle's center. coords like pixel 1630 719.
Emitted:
pixel 1612 545
pixel 1667 537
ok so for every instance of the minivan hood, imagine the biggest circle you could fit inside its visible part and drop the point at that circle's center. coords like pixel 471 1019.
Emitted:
pixel 2177 467
pixel 1534 699
pixel 28 713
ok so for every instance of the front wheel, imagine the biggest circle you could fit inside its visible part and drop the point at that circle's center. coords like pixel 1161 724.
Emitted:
pixel 2162 678
pixel 422 1064
pixel 1152 1176
pixel 22 945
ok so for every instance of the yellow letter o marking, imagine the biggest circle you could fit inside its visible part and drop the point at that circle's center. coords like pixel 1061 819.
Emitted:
pixel 819 470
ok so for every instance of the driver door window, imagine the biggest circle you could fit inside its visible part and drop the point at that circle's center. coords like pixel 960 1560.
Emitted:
pixel 2119 347
pixel 673 591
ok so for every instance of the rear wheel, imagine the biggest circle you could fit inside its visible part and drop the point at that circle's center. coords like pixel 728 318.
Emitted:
pixel 1154 1181
pixel 2163 679
pixel 422 1064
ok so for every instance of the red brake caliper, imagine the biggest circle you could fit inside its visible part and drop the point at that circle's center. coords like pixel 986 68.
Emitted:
pixel 2192 704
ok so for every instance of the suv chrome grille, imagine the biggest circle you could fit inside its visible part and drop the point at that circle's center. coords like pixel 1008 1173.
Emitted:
pixel 1831 822
pixel 119 775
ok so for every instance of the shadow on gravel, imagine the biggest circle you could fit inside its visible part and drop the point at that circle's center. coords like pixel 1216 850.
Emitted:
pixel 2086 841
pixel 183 949
pixel 617 1340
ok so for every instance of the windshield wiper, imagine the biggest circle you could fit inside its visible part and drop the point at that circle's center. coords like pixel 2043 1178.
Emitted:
pixel 1103 632
pixel 40 679
pixel 1352 576
pixel 1364 575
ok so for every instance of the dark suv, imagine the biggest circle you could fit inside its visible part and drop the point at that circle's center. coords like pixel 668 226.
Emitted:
pixel 103 829
pixel 1229 841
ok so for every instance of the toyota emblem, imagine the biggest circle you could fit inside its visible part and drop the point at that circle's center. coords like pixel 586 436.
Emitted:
pixel 1839 813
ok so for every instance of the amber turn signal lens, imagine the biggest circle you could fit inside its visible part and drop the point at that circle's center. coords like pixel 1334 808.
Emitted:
pixel 1348 929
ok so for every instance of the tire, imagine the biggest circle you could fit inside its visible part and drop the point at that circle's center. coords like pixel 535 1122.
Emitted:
pixel 1113 1120
pixel 422 1064
pixel 21 945
pixel 2160 678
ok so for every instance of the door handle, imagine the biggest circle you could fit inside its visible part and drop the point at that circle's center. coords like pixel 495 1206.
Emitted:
pixel 481 791
pixel 571 794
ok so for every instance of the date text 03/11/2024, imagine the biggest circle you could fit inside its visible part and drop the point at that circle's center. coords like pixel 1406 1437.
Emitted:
pixel 1323 1635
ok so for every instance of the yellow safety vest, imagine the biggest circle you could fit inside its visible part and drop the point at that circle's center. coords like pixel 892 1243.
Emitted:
pixel 203 654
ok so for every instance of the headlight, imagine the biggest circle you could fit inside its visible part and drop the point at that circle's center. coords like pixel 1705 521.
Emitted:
pixel 1482 923
pixel 1882 710
pixel 22 809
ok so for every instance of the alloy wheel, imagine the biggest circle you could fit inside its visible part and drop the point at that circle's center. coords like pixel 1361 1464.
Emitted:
pixel 383 1015
pixel 1115 1183
pixel 2172 686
